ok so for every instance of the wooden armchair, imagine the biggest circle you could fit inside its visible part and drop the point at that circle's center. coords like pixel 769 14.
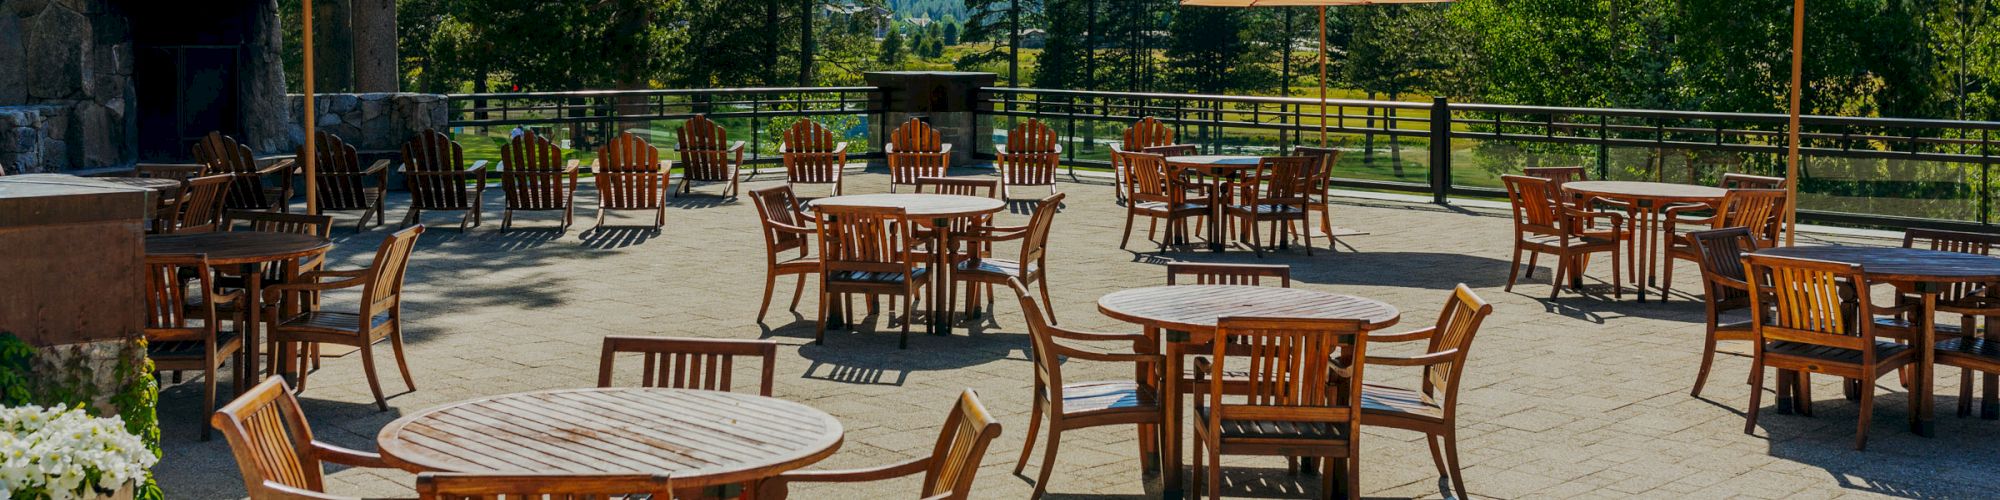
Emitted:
pixel 203 201
pixel 1156 192
pixel 948 471
pixel 1543 224
pixel 277 272
pixel 1725 288
pixel 868 250
pixel 1031 265
pixel 983 188
pixel 219 154
pixel 183 329
pixel 1761 210
pixel 813 156
pixel 1962 347
pixel 1322 189
pixel 434 172
pixel 1558 176
pixel 343 184
pixel 1228 274
pixel 378 316
pixel 1029 158
pixel 630 176
pixel 686 363
pixel 786 230
pixel 274 446
pixel 1146 133
pixel 535 177
pixel 441 486
pixel 915 151
pixel 708 156
pixel 1747 181
pixel 1077 405
pixel 1285 197
pixel 1433 408
pixel 1810 331
pixel 1307 403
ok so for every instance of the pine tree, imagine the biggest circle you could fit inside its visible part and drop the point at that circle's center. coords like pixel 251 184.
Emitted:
pixel 892 48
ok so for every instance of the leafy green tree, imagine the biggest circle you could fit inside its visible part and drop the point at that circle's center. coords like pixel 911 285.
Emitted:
pixel 892 48
pixel 950 31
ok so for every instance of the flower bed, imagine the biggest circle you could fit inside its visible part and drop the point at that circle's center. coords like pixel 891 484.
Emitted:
pixel 64 453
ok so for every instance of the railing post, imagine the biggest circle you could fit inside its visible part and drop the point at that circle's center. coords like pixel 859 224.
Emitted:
pixel 1440 149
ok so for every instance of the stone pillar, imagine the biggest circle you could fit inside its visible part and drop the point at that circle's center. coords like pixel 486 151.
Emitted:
pixel 944 99
pixel 74 269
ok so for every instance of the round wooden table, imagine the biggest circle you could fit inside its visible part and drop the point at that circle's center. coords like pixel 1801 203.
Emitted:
pixel 937 210
pixel 1185 315
pixel 1646 202
pixel 702 438
pixel 250 249
pixel 153 183
pixel 1223 171
pixel 1928 272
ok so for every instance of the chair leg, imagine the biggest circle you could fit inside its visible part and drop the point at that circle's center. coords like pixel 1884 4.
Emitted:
pixel 1034 424
pixel 1215 472
pixel 374 383
pixel 1667 275
pixel 506 220
pixel 1200 476
pixel 1756 396
pixel 770 282
pixel 1048 462
pixel 208 398
pixel 819 337
pixel 1562 268
pixel 1867 410
pixel 396 347
pixel 1437 457
pixel 1533 260
pixel 1128 230
pixel 1048 305
pixel 1707 360
pixel 1618 283
pixel 1515 269
pixel 909 308
pixel 798 291
pixel 1964 392
pixel 1450 439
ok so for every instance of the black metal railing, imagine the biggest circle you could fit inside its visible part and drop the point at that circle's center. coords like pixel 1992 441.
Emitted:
pixel 582 121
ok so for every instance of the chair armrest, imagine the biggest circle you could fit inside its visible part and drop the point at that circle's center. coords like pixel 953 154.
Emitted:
pixel 346 456
pixel 1064 333
pixel 478 166
pixel 1423 360
pixel 1058 149
pixel 1111 357
pixel 310 284
pixel 280 166
pixel 945 150
pixel 999 149
pixel 840 148
pixel 380 166
pixel 736 147
pixel 274 490
pixel 990 237
pixel 913 466
pixel 1419 334
pixel 788 228
pixel 571 167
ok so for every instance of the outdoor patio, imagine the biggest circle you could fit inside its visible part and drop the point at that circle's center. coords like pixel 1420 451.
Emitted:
pixel 1579 396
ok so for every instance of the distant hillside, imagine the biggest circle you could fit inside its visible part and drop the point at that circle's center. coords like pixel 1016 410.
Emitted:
pixel 936 9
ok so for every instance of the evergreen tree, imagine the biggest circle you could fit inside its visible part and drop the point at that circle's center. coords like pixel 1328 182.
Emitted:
pixel 892 48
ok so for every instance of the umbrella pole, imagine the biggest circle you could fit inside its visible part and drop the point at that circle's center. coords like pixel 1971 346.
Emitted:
pixel 1792 151
pixel 306 153
pixel 1322 76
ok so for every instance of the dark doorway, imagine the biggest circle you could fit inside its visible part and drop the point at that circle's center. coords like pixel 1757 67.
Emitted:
pixel 188 73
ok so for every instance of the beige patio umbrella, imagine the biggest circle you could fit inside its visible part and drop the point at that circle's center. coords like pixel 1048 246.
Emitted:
pixel 1792 150
pixel 1322 5
pixel 312 174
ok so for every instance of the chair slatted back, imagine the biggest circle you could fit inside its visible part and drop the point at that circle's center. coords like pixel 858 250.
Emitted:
pixel 1805 296
pixel 1747 181
pixel 1761 210
pixel 1456 327
pixel 433 161
pixel 1035 245
pixel 203 202
pixel 1228 274
pixel 1289 365
pixel 1148 179
pixel 864 240
pixel 220 154
pixel 1952 241
pixel 167 298
pixel 384 290
pixel 1558 175
pixel 273 222
pixel 1048 367
pixel 1288 181
pixel 338 168
pixel 269 436
pixel 681 363
pixel 629 175
pixel 1032 155
pixel 984 188
pixel 777 206
pixel 810 156
pixel 1719 253
pixel 961 445
pixel 532 173
pixel 1328 157
pixel 915 152
pixel 1145 133
pixel 1534 204
pixel 704 149
pixel 440 486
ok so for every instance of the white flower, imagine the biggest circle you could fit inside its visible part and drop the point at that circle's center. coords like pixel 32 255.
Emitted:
pixel 58 450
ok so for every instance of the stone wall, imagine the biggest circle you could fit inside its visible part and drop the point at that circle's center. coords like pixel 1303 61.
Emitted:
pixel 377 122
pixel 32 139
pixel 74 58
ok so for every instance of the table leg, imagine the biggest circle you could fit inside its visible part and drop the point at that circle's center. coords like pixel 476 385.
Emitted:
pixel 1926 426
pixel 253 285
pixel 1170 424
pixel 1217 201
pixel 940 278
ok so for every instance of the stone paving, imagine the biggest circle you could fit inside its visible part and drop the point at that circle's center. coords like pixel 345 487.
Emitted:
pixel 1581 396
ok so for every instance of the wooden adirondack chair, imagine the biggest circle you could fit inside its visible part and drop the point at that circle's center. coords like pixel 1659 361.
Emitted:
pixel 220 154
pixel 916 151
pixel 1029 158
pixel 343 184
pixel 533 174
pixel 708 156
pixel 434 172
pixel 813 156
pixel 630 176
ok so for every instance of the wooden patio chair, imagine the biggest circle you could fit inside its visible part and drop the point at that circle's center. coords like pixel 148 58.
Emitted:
pixel 378 316
pixel 1810 331
pixel 1146 133
pixel 1306 377
pixel 1725 289
pixel 1077 405
pixel 708 156
pixel 813 156
pixel 1747 181
pixel 275 273
pixel 1558 175
pixel 1432 408
pixel 962 186
pixel 786 230
pixel 868 250
pixel 274 446
pixel 948 471
pixel 1959 345
pixel 1285 197
pixel 343 184
pixel 1322 188
pixel 552 486
pixel 535 177
pixel 687 363
pixel 435 174
pixel 1156 192
pixel 1542 224
pixel 1228 274
pixel 1030 266
pixel 220 154
pixel 203 202
pixel 184 328
pixel 915 151
pixel 631 176
pixel 1761 210
pixel 1029 158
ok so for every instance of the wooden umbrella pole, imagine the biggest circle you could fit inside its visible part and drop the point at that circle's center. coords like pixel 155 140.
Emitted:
pixel 312 181
pixel 1322 76
pixel 1792 151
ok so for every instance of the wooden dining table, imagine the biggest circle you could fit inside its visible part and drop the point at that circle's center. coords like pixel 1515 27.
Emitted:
pixel 1183 316
pixel 1926 272
pixel 704 439
pixel 251 250
pixel 933 210
pixel 1646 204
pixel 1223 171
